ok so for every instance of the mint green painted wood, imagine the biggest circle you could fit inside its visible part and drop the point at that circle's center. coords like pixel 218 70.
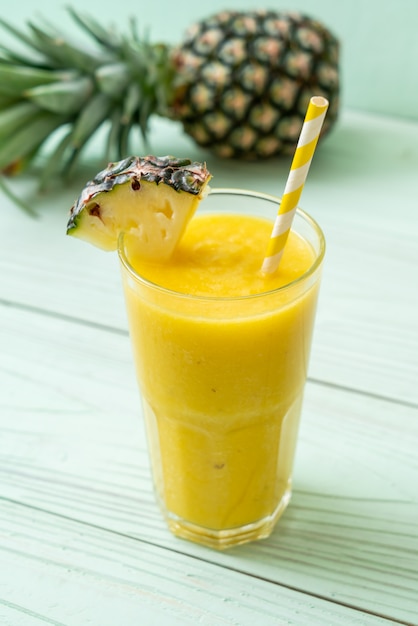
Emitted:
pixel 87 575
pixel 81 538
pixel 362 188
pixel 73 444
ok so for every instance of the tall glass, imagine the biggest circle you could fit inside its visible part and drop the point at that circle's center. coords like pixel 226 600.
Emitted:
pixel 222 383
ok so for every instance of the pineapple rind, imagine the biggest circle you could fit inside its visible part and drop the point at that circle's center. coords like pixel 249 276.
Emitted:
pixel 244 80
pixel 151 199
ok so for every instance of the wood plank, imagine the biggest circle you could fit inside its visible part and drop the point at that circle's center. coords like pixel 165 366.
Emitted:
pixel 361 189
pixel 72 440
pixel 74 574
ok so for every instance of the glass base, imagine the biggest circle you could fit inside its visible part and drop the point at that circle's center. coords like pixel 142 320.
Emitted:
pixel 230 537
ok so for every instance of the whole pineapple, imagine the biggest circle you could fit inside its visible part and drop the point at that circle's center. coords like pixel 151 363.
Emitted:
pixel 243 81
pixel 239 83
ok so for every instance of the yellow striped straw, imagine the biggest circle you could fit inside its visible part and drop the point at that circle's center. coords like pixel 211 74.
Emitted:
pixel 302 159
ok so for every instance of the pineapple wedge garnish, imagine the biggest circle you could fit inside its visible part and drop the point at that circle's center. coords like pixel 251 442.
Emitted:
pixel 149 198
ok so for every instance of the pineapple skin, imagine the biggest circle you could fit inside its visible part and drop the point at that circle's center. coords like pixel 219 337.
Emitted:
pixel 243 81
pixel 150 199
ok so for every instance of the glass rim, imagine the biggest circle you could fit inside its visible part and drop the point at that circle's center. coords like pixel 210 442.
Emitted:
pixel 282 289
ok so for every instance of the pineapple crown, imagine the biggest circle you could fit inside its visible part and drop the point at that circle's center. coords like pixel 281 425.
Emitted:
pixel 64 84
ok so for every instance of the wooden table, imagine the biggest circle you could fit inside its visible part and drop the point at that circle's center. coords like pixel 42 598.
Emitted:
pixel 82 540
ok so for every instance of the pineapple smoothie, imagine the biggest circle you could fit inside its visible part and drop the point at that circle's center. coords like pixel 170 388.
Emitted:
pixel 221 349
pixel 221 353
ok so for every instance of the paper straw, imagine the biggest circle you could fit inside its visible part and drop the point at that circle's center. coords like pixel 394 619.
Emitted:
pixel 302 159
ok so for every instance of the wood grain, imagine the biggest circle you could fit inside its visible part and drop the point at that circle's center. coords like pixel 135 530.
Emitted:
pixel 73 445
pixel 362 189
pixel 90 576
pixel 82 540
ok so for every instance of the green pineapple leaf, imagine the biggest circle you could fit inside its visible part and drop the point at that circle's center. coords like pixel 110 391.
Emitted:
pixel 90 119
pixel 62 97
pixel 112 78
pixel 15 199
pixel 105 37
pixel 113 136
pixel 131 106
pixel 20 36
pixel 63 53
pixel 53 166
pixel 15 79
pixel 15 116
pixel 28 139
pixel 7 101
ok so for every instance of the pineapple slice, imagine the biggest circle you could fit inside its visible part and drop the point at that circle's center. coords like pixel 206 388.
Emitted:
pixel 150 198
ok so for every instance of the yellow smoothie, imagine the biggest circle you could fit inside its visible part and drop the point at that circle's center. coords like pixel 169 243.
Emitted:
pixel 222 373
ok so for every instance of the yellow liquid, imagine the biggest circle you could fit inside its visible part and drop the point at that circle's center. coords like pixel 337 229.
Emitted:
pixel 222 381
